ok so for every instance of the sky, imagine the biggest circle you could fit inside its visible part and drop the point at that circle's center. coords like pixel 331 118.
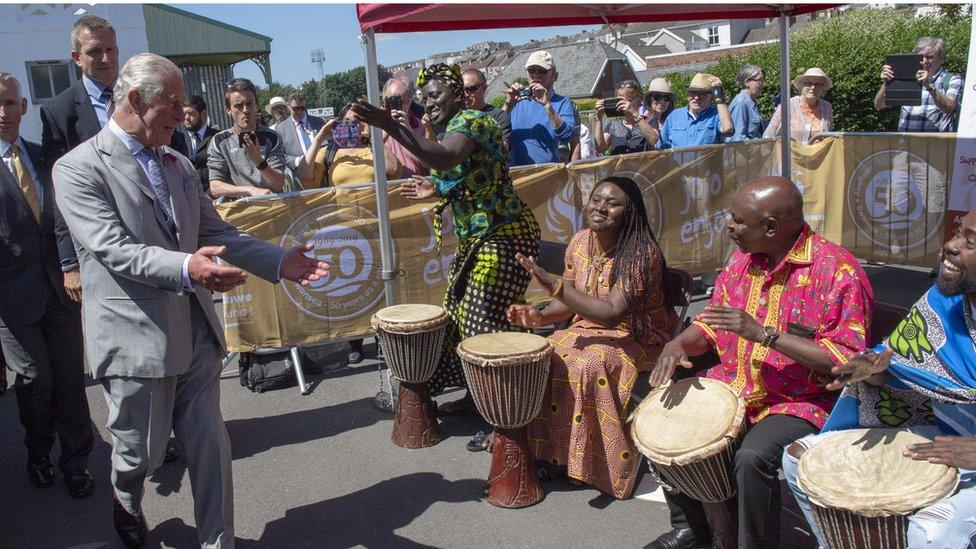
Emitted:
pixel 297 29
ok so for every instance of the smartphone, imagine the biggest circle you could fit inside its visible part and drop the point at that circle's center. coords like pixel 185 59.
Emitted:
pixel 610 107
pixel 253 137
pixel 346 134
pixel 394 103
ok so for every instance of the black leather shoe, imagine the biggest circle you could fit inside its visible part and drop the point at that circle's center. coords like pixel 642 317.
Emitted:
pixel 41 474
pixel 172 454
pixel 679 538
pixel 131 529
pixel 80 484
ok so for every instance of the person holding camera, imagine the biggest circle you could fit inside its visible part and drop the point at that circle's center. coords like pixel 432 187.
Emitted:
pixel 246 159
pixel 540 117
pixel 619 126
pixel 701 122
pixel 348 159
pixel 398 94
pixel 941 91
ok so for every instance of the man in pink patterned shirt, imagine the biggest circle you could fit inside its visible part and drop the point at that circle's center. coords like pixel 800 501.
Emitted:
pixel 787 307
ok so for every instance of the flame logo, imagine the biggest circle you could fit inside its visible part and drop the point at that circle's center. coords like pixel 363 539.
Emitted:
pixel 563 217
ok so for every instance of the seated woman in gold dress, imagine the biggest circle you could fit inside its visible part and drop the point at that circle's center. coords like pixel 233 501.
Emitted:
pixel 613 289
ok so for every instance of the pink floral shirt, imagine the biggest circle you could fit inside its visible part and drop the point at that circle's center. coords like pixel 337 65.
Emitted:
pixel 818 291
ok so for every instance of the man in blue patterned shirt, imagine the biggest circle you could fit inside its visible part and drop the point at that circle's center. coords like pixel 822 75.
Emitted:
pixel 941 91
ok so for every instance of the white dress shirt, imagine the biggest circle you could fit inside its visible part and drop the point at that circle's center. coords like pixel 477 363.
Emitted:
pixel 103 110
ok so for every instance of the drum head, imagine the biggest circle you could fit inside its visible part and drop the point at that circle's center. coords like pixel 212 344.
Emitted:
pixel 503 344
pixel 688 420
pixel 863 471
pixel 409 319
pixel 409 314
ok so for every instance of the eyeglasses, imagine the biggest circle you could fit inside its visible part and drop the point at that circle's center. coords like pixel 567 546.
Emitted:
pixel 628 86
pixel 811 83
pixel 660 97
pixel 302 108
pixel 537 70
pixel 473 88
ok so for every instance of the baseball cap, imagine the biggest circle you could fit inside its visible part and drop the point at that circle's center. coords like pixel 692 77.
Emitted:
pixel 539 58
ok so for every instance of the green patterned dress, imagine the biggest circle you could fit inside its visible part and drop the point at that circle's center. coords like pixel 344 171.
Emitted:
pixel 492 224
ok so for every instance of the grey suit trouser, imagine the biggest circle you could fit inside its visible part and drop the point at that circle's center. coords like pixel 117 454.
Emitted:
pixel 142 411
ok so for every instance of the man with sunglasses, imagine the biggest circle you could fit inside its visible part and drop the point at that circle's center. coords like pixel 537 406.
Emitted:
pixel 701 122
pixel 542 119
pixel 475 86
pixel 298 130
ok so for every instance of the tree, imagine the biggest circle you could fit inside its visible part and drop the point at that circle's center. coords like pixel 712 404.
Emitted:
pixel 338 89
pixel 275 89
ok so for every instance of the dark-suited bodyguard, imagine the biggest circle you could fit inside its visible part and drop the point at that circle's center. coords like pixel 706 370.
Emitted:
pixel 40 326
pixel 81 111
pixel 198 133
pixel 139 217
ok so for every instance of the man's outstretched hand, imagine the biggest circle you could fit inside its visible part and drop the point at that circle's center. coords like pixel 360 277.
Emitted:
pixel 203 270
pixel 298 267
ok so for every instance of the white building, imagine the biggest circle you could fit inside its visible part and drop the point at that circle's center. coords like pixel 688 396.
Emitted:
pixel 35 46
pixel 641 40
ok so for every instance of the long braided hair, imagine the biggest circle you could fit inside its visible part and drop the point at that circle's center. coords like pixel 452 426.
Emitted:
pixel 632 266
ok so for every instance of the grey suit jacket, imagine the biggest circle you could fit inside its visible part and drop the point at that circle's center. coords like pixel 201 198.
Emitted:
pixel 290 139
pixel 135 313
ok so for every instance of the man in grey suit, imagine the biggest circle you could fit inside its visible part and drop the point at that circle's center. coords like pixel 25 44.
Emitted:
pixel 40 326
pixel 139 217
pixel 298 130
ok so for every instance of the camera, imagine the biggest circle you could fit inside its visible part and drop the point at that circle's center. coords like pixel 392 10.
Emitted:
pixel 611 107
pixel 525 92
pixel 253 136
pixel 394 103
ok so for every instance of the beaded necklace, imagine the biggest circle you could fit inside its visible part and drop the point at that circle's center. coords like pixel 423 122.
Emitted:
pixel 594 273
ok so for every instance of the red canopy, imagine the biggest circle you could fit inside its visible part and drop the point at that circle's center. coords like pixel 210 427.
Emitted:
pixel 445 17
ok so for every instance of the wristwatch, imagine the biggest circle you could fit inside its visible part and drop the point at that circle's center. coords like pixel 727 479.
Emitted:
pixel 771 335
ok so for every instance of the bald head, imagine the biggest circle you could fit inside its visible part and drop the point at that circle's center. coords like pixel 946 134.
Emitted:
pixel 766 215
pixel 773 196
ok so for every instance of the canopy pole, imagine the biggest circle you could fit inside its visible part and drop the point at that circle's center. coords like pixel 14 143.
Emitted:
pixel 785 134
pixel 379 166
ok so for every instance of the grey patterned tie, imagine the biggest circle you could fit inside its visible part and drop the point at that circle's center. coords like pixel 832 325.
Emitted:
pixel 158 182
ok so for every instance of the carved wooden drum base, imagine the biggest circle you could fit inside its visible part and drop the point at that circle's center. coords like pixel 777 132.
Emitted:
pixel 512 482
pixel 415 424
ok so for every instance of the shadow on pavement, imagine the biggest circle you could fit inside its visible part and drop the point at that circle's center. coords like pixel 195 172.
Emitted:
pixel 252 436
pixel 368 517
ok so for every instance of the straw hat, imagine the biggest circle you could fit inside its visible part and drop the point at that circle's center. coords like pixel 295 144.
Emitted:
pixel 813 73
pixel 660 85
pixel 701 82
pixel 275 101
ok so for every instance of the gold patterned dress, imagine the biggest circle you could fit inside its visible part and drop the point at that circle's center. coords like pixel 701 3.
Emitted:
pixel 582 422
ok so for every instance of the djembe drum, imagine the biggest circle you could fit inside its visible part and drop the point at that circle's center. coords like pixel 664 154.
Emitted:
pixel 507 375
pixel 862 489
pixel 689 431
pixel 412 337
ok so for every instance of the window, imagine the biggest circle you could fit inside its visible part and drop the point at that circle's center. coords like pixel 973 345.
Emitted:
pixel 49 78
pixel 712 36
